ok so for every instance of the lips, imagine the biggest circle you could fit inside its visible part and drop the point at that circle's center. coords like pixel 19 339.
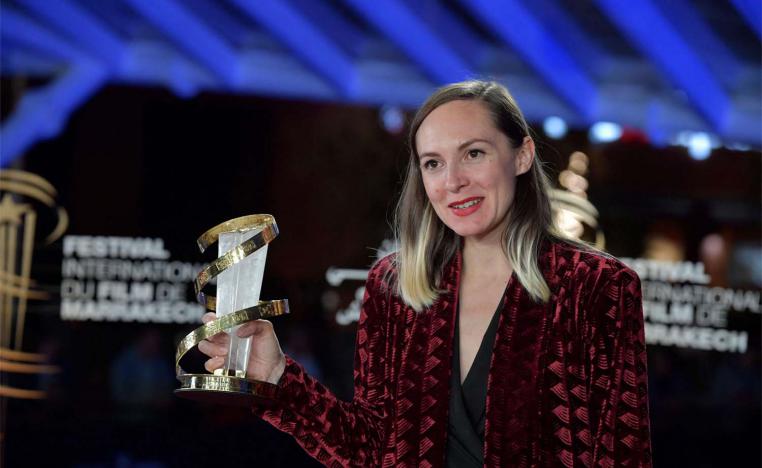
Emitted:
pixel 466 206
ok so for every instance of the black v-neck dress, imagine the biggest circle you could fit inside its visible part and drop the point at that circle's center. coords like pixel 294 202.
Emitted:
pixel 465 435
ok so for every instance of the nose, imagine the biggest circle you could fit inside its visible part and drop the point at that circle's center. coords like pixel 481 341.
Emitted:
pixel 455 178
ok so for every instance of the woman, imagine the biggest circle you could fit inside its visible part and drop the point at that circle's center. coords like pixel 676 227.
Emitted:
pixel 487 340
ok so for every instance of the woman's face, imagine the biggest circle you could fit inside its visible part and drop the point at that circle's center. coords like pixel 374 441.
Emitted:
pixel 469 168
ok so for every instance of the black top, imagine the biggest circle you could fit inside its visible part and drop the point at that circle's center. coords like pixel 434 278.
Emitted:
pixel 465 434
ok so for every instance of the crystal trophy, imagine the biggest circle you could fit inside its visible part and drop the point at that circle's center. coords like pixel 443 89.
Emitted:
pixel 239 271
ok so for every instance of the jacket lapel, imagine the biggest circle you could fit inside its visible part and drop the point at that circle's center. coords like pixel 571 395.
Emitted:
pixel 513 387
pixel 424 382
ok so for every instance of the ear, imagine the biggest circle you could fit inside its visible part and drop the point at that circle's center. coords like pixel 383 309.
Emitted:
pixel 524 156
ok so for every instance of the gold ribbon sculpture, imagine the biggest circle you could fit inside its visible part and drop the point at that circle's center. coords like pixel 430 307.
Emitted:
pixel 26 199
pixel 228 389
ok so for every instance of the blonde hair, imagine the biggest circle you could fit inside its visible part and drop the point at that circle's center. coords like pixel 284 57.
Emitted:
pixel 426 245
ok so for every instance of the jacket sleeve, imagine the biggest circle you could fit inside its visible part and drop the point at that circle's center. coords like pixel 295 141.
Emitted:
pixel 335 432
pixel 619 380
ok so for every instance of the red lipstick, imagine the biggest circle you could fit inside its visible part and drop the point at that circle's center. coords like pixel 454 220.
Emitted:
pixel 466 206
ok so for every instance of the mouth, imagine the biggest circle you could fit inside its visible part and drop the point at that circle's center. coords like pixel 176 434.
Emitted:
pixel 467 206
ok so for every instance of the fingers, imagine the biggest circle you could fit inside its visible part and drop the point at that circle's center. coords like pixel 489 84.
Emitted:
pixel 216 347
pixel 216 352
pixel 256 327
pixel 208 317
pixel 214 363
pixel 213 349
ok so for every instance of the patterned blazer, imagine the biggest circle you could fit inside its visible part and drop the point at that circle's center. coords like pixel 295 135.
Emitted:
pixel 567 384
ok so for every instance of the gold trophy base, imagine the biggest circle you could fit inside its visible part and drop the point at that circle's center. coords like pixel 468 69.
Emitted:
pixel 223 389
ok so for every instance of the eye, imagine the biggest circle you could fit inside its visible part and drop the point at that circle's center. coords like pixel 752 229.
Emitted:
pixel 430 164
pixel 474 153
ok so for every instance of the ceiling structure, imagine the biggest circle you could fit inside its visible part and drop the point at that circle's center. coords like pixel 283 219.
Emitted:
pixel 663 67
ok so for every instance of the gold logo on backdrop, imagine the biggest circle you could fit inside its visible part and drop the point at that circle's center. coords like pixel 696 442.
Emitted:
pixel 573 212
pixel 23 196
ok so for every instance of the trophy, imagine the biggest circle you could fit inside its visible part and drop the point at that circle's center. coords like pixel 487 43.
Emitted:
pixel 239 270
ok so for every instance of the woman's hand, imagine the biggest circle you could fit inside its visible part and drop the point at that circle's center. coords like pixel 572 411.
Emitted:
pixel 266 360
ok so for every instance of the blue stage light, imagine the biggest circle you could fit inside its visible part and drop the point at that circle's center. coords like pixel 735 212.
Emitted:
pixel 555 127
pixel 393 118
pixel 604 132
pixel 699 145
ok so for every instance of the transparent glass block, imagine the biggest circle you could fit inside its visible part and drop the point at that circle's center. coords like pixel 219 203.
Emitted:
pixel 238 287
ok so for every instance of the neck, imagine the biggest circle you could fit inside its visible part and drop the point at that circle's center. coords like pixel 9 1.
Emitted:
pixel 486 255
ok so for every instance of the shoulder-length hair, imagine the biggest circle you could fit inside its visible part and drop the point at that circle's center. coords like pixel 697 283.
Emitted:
pixel 426 245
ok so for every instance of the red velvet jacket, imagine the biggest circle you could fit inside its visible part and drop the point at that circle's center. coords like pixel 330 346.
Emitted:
pixel 567 383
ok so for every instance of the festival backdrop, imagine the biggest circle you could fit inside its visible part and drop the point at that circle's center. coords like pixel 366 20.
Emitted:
pixel 130 127
pixel 141 174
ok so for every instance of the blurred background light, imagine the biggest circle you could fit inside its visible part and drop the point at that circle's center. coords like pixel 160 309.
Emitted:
pixel 392 118
pixel 605 132
pixel 555 127
pixel 738 147
pixel 699 146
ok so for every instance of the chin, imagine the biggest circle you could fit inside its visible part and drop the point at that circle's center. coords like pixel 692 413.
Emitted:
pixel 467 231
pixel 474 229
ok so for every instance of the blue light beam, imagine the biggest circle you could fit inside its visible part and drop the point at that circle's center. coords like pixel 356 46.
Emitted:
pixel 193 36
pixel 584 50
pixel 458 36
pixel 82 27
pixel 305 40
pixel 751 11
pixel 645 26
pixel 692 27
pixel 19 29
pixel 414 38
pixel 525 34
pixel 42 113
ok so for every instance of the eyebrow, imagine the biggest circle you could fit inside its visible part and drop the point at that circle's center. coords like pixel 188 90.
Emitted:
pixel 463 145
